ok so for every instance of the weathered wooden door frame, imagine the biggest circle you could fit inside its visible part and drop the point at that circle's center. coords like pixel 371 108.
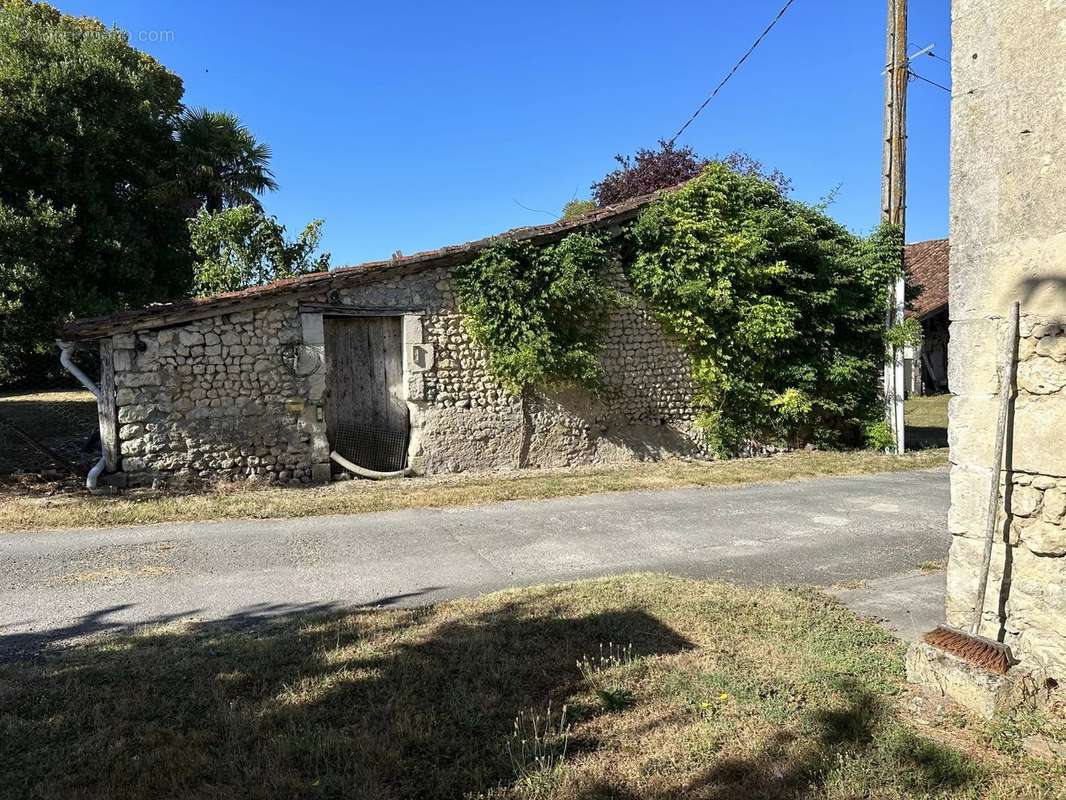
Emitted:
pixel 418 358
pixel 365 399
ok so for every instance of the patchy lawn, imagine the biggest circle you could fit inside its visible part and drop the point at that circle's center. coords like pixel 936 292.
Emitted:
pixel 926 419
pixel 238 501
pixel 672 688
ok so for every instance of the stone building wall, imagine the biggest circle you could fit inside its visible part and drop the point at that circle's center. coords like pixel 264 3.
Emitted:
pixel 1008 242
pixel 214 399
pixel 239 395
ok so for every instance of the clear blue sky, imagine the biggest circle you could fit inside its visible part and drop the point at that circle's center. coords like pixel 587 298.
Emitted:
pixel 408 126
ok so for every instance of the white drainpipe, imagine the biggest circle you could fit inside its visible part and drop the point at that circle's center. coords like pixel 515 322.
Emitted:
pixel 65 349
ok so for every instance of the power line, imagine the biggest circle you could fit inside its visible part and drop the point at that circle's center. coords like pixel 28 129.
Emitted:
pixel 736 66
pixel 938 58
pixel 527 208
pixel 914 74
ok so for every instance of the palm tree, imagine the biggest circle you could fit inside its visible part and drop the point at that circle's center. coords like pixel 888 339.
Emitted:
pixel 220 162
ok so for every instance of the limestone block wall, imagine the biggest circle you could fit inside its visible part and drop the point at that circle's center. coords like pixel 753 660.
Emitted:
pixel 1008 242
pixel 215 399
pixel 239 395
pixel 462 419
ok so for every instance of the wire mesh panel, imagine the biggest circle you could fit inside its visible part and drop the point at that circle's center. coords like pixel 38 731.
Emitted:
pixel 40 431
pixel 373 448
pixel 48 421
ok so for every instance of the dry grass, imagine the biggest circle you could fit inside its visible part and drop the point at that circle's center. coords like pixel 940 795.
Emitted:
pixel 111 574
pixel 236 501
pixel 929 567
pixel 719 692
pixel 74 396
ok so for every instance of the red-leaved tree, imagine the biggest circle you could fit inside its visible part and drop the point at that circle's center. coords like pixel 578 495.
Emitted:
pixel 650 170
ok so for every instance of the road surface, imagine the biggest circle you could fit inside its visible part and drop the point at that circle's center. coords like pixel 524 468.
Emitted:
pixel 59 586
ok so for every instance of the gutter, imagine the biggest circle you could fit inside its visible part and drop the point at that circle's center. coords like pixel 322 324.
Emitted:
pixel 65 349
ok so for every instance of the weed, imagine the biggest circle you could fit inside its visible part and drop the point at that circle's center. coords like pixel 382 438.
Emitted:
pixel 929 567
pixel 537 746
pixel 1007 732
pixel 600 673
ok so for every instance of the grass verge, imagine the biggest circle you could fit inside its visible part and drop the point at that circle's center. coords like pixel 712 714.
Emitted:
pixel 926 418
pixel 927 411
pixel 236 501
pixel 672 688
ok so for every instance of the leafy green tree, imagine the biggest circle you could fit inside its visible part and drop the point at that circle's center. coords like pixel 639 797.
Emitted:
pixel 221 163
pixel 37 234
pixel 100 168
pixel 86 142
pixel 241 246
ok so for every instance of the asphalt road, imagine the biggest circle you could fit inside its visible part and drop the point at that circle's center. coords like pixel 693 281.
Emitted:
pixel 59 586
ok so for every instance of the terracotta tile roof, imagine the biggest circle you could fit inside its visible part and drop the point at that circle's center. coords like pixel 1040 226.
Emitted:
pixel 163 314
pixel 926 263
pixel 927 266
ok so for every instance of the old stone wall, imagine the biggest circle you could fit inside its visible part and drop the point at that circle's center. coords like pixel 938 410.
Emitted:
pixel 215 399
pixel 462 419
pixel 1008 243
pixel 239 395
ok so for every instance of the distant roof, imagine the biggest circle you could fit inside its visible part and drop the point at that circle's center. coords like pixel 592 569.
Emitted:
pixel 927 266
pixel 163 314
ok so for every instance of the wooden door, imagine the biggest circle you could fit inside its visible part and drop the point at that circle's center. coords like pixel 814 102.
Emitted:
pixel 366 414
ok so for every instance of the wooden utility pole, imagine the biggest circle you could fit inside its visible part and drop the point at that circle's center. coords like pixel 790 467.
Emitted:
pixel 894 196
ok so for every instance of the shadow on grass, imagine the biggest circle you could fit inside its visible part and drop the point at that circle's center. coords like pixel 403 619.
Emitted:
pixel 925 438
pixel 362 705
pixel 23 645
pixel 850 749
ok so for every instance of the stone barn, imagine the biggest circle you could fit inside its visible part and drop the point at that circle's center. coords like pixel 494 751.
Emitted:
pixel 370 363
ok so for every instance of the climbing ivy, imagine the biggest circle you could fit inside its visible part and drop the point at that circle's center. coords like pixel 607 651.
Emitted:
pixel 781 308
pixel 540 313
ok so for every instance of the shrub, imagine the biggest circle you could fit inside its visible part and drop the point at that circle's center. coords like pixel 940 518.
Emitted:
pixel 780 307
pixel 578 208
pixel 650 170
pixel 646 172
pixel 879 436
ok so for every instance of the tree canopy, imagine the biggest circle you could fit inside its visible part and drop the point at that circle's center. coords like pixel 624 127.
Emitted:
pixel 222 163
pixel 85 145
pixel 650 170
pixel 241 246
pixel 100 166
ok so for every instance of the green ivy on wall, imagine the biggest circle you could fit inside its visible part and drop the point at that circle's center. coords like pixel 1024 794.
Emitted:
pixel 541 313
pixel 781 308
